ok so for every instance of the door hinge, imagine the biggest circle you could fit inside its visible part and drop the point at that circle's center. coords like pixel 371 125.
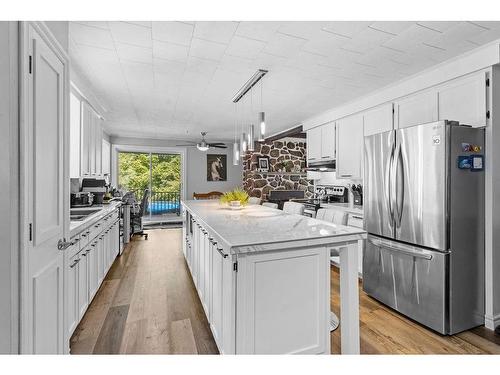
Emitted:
pixel 235 266
pixel 30 64
pixel 487 114
pixel 30 231
pixel 487 82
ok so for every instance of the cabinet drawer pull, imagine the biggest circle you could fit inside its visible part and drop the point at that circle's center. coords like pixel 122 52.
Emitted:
pixel 84 234
pixel 325 157
pixel 221 252
pixel 346 175
pixel 84 254
pixel 74 263
pixel 75 241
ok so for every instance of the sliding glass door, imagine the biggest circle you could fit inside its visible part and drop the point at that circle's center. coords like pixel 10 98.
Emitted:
pixel 157 172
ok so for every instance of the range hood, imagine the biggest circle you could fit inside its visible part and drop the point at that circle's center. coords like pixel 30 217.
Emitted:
pixel 322 166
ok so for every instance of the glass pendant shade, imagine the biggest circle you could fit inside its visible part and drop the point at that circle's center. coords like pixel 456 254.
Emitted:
pixel 236 153
pixel 251 138
pixel 243 143
pixel 262 122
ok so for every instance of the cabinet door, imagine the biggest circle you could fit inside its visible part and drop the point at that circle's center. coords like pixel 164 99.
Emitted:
pixel 93 271
pixel 106 157
pixel 92 129
pixel 201 273
pixel 328 141
pixel 378 120
pixel 98 145
pixel 216 305
pixel 350 147
pixel 71 303
pixel 85 140
pixel 75 115
pixel 206 283
pixel 464 100
pixel 100 260
pixel 83 285
pixel 314 144
pixel 416 109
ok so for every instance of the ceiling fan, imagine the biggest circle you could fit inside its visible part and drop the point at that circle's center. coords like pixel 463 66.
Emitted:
pixel 204 145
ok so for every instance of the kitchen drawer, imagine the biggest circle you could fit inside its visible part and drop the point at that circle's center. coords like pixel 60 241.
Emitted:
pixel 355 220
pixel 75 245
pixel 95 229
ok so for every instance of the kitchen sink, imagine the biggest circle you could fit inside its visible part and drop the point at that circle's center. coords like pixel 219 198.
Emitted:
pixel 81 214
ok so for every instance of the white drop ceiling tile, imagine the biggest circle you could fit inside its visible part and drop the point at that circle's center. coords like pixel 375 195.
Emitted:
pixel 392 27
pixel 302 29
pixel 304 60
pixel 347 28
pixel 485 37
pixel 142 23
pixel 202 66
pixel 173 32
pixel 410 37
pixel 368 39
pixel 215 31
pixel 132 34
pixel 284 45
pixel 244 47
pixel 170 51
pixel 134 53
pixel 441 26
pixel 168 67
pixel 207 50
pixel 458 33
pixel 91 36
pixel 325 44
pixel 237 64
pixel 491 25
pixel 262 30
pixel 99 24
pixel 268 62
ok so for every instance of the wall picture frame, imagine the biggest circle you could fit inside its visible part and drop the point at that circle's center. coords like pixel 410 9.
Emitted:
pixel 216 167
pixel 264 164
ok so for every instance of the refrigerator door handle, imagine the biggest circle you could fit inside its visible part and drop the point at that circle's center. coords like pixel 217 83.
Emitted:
pixel 398 248
pixel 399 179
pixel 388 183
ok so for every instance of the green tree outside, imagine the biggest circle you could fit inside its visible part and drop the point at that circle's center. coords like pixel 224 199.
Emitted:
pixel 133 172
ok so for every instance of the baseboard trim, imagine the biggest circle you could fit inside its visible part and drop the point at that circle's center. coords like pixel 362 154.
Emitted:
pixel 491 322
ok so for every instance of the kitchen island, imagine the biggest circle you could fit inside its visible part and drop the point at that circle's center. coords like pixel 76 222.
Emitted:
pixel 263 278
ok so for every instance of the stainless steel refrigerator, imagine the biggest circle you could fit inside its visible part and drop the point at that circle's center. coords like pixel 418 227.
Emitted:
pixel 424 214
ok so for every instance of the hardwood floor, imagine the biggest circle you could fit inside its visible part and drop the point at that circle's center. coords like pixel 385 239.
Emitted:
pixel 149 305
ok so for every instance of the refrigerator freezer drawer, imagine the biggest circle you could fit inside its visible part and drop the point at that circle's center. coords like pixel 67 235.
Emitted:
pixel 409 279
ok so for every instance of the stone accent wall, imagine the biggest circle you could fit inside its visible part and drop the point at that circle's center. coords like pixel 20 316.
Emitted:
pixel 287 163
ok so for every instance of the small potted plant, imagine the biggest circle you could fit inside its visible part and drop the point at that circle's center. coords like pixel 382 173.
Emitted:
pixel 235 199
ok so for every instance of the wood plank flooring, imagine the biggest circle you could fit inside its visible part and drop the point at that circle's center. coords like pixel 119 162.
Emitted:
pixel 148 305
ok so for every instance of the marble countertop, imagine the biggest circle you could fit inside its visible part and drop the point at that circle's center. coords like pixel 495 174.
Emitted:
pixel 244 230
pixel 348 207
pixel 78 226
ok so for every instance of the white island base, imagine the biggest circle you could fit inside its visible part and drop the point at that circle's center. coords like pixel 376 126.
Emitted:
pixel 263 278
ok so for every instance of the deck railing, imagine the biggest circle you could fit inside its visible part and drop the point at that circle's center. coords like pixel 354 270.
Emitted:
pixel 162 202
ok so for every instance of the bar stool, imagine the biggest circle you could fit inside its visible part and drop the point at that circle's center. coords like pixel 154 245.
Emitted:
pixel 293 208
pixel 270 205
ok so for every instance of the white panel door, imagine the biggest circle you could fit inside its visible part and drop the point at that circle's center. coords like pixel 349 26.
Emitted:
pixel 47 185
pixel 416 109
pixel 464 100
pixel 378 120
pixel 328 141
pixel 350 147
pixel 314 144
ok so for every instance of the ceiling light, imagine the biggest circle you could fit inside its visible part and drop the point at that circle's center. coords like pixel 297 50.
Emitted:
pixel 251 139
pixel 202 146
pixel 262 121
pixel 249 84
pixel 243 143
pixel 236 153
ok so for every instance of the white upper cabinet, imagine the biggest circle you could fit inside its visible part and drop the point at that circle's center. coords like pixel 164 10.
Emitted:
pixel 314 144
pixel 378 119
pixel 85 140
pixel 350 147
pixel 106 157
pixel 75 139
pixel 328 141
pixel 321 143
pixel 90 142
pixel 464 100
pixel 419 108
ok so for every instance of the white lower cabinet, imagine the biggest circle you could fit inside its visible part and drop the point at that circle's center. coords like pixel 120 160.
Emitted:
pixel 246 283
pixel 88 261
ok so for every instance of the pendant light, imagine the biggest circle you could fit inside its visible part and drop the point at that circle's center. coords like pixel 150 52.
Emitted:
pixel 251 128
pixel 243 138
pixel 236 146
pixel 262 118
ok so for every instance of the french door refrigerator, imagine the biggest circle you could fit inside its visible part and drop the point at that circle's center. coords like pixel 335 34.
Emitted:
pixel 424 216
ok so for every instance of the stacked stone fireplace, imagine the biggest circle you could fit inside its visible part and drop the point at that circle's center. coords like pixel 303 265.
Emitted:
pixel 287 163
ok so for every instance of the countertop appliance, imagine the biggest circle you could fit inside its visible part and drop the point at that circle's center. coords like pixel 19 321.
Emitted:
pixel 333 194
pixel 81 199
pixel 424 214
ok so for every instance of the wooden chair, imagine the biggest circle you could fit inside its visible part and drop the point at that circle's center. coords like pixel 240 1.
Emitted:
pixel 211 195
